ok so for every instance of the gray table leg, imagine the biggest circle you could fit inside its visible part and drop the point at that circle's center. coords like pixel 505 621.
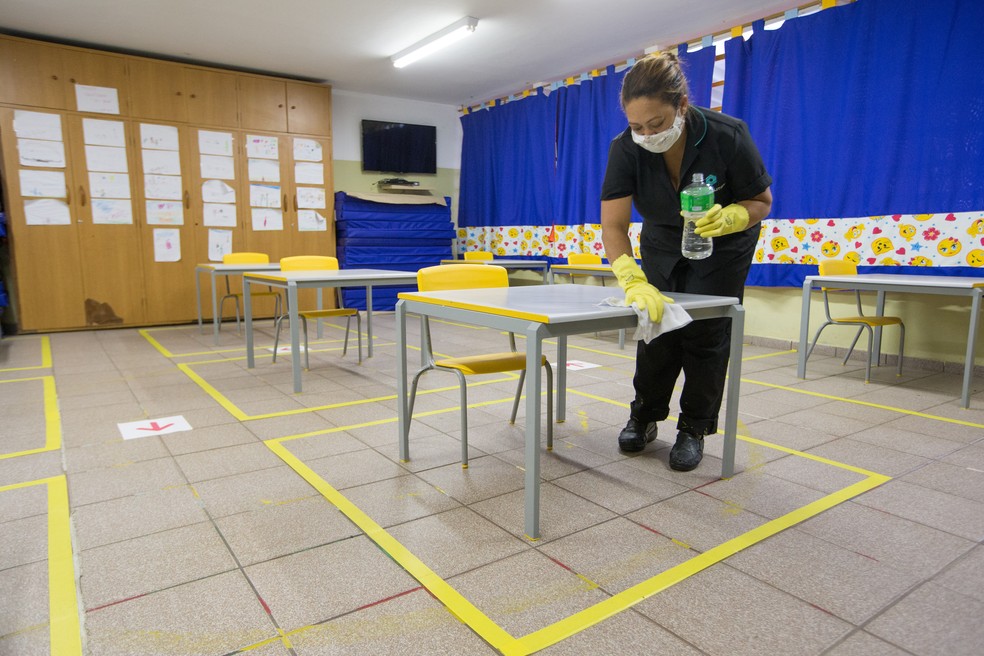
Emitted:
pixel 561 379
pixel 877 337
pixel 804 329
pixel 403 421
pixel 975 310
pixel 295 335
pixel 198 296
pixel 369 320
pixel 216 319
pixel 534 370
pixel 737 314
pixel 248 319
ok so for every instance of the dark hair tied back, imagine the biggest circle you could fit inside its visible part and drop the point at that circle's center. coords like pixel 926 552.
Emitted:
pixel 657 75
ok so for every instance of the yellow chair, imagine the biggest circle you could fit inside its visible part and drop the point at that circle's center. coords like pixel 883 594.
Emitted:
pixel 474 276
pixel 584 258
pixel 318 263
pixel 248 258
pixel 478 255
pixel 863 322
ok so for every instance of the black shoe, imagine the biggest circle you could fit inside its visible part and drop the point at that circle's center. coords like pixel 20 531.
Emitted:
pixel 687 452
pixel 636 435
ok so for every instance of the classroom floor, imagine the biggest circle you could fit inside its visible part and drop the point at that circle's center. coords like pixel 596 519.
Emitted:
pixel 282 523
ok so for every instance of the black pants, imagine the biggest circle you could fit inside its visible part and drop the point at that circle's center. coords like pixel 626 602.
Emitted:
pixel 700 350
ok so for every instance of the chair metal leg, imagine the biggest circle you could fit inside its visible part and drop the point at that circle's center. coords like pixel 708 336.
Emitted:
pixel 307 358
pixel 550 421
pixel 854 343
pixel 276 335
pixel 901 346
pixel 871 352
pixel 519 393
pixel 348 322
pixel 238 330
pixel 816 338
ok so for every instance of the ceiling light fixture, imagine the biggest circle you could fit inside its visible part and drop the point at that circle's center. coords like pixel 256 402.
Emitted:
pixel 435 41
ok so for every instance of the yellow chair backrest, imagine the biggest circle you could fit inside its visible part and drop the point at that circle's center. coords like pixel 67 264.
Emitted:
pixel 461 276
pixel 478 255
pixel 245 258
pixel 308 263
pixel 583 258
pixel 838 268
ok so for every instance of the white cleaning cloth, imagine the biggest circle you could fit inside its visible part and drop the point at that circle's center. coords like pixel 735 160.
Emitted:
pixel 647 330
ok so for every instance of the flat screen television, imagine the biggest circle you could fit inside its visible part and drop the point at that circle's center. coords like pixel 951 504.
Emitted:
pixel 391 147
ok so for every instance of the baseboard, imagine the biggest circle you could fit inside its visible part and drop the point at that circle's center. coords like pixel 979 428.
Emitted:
pixel 921 364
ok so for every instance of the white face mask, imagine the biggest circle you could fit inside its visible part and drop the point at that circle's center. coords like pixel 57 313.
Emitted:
pixel 661 141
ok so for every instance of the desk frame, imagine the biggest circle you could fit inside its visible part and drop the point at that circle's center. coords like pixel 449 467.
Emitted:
pixel 505 263
pixel 215 270
pixel 908 284
pixel 517 316
pixel 333 278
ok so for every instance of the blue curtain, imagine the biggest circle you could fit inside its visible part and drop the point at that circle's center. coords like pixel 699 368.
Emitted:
pixel 508 171
pixel 589 116
pixel 698 66
pixel 867 109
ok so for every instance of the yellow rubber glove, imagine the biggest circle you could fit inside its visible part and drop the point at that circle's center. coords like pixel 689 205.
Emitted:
pixel 633 280
pixel 722 221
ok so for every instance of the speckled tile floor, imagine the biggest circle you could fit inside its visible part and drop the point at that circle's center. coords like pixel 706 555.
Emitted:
pixel 282 523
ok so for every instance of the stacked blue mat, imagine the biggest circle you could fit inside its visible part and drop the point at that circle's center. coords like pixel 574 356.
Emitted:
pixel 404 237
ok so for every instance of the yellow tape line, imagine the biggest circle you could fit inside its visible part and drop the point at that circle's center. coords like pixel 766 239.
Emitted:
pixel 45 357
pixel 577 622
pixel 451 598
pixel 52 418
pixel 868 404
pixel 63 610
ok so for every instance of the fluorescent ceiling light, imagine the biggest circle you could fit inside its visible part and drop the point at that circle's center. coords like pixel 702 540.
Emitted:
pixel 435 41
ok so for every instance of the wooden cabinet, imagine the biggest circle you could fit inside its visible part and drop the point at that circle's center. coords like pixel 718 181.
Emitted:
pixel 263 104
pixel 157 90
pixel 308 109
pixel 211 97
pixel 73 251
pixel 31 74
pixel 100 204
pixel 108 228
pixel 281 106
pixel 174 92
pixel 97 70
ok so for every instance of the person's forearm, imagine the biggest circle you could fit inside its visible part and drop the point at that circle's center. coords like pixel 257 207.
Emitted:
pixel 616 244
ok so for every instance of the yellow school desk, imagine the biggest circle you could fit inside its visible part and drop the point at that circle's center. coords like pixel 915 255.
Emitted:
pixel 216 270
pixel 294 280
pixel 539 312
pixel 537 265
pixel 907 284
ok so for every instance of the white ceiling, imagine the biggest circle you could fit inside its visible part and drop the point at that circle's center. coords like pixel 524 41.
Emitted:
pixel 348 43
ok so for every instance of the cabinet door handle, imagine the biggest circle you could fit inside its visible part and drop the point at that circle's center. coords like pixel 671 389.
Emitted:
pixel 280 105
pixel 187 200
pixel 293 106
pixel 178 93
pixel 285 202
pixel 82 195
pixel 54 77
pixel 295 202
pixel 68 195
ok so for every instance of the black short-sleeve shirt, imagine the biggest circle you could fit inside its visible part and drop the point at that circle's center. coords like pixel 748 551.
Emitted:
pixel 720 147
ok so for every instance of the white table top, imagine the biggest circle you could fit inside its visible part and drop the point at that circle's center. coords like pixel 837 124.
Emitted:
pixel 237 268
pixel 962 282
pixel 327 275
pixel 500 261
pixel 550 303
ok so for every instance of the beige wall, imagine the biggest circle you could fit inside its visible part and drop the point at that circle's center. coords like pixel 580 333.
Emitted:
pixel 350 178
pixel 936 326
